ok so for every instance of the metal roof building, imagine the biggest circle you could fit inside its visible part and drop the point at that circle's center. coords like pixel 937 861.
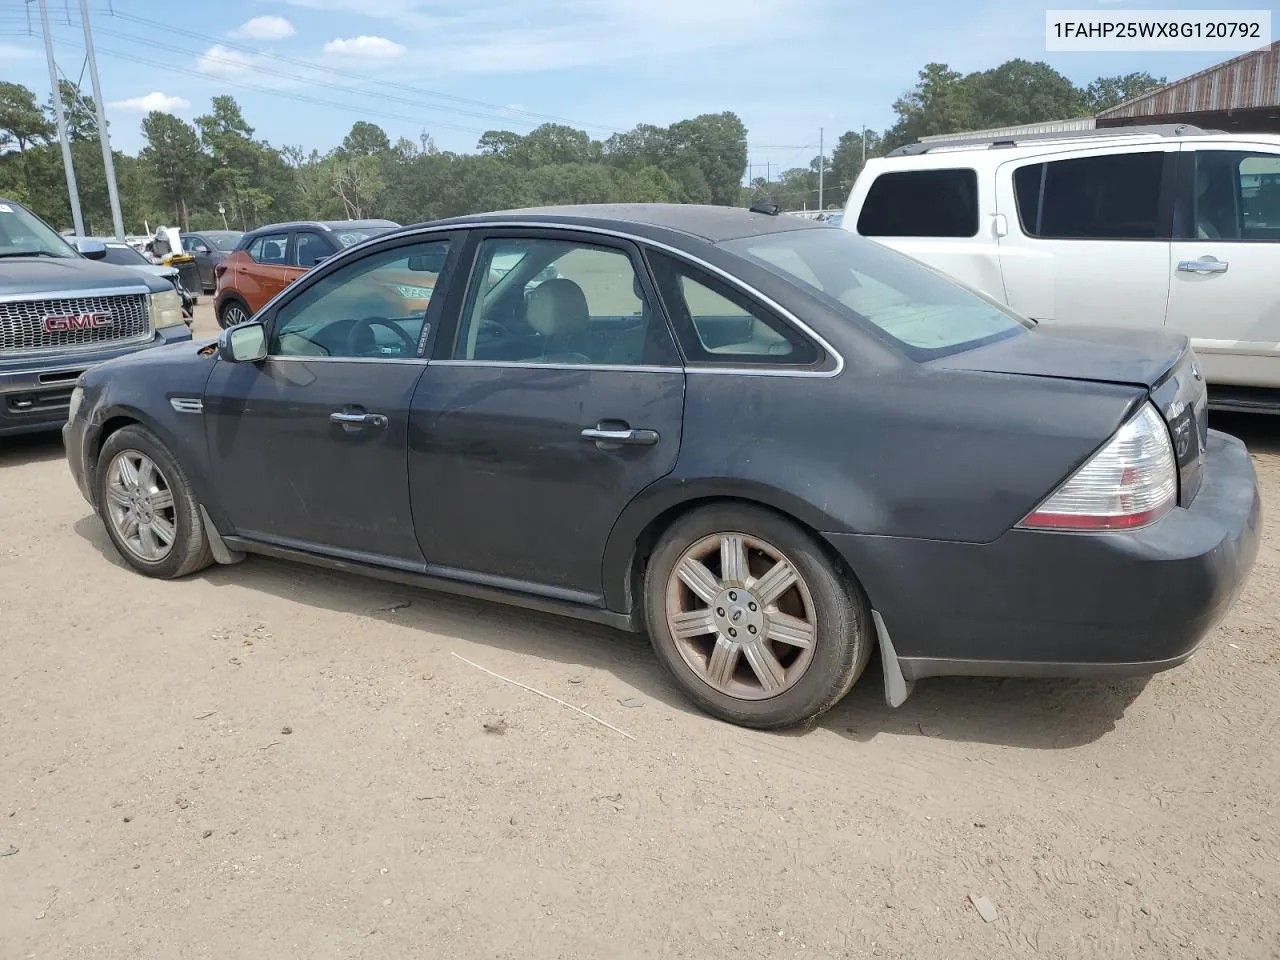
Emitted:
pixel 1241 95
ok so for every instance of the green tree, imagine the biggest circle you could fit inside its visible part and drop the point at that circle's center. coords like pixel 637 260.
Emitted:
pixel 939 103
pixel 1019 91
pixel 22 123
pixel 176 165
pixel 717 143
pixel 365 140
pixel 1107 92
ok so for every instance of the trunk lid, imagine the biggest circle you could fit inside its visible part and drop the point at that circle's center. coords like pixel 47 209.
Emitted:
pixel 1161 362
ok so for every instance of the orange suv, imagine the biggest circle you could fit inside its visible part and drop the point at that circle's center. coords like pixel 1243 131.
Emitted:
pixel 268 259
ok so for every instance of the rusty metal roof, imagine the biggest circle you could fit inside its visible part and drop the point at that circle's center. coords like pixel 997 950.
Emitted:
pixel 1249 81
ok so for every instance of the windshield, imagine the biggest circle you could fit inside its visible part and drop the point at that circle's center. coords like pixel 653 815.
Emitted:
pixel 24 235
pixel 926 313
pixel 349 238
pixel 125 256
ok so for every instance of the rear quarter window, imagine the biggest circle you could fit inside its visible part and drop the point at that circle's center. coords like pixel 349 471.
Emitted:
pixel 921 203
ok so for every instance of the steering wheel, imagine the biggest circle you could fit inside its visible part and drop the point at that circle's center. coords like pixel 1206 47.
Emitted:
pixel 366 325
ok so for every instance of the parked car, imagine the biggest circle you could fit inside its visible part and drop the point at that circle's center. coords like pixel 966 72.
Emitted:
pixel 123 254
pixel 1144 227
pixel 210 248
pixel 61 312
pixel 268 259
pixel 770 444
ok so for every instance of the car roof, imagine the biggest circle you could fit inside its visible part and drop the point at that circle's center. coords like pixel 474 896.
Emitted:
pixel 216 233
pixel 710 223
pixel 318 224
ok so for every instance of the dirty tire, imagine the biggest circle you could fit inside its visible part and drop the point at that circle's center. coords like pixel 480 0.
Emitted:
pixel 190 549
pixel 232 313
pixel 838 612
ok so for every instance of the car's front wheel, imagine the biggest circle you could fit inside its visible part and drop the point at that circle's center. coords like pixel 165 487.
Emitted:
pixel 757 625
pixel 147 504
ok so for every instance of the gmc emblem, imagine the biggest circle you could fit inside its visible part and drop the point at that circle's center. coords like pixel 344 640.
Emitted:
pixel 78 321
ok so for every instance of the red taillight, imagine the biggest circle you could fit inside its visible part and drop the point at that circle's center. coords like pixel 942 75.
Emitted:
pixel 1131 482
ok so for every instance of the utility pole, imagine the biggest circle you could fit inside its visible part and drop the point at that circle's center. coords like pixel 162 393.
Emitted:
pixel 113 194
pixel 822 163
pixel 768 172
pixel 73 192
pixel 864 146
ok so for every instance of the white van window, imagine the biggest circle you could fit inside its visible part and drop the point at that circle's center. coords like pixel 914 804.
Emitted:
pixel 1114 197
pixel 1236 196
pixel 921 203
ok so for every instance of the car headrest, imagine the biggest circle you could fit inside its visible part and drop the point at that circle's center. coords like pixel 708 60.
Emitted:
pixel 557 308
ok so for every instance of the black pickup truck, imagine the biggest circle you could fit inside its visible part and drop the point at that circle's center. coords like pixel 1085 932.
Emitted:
pixel 61 312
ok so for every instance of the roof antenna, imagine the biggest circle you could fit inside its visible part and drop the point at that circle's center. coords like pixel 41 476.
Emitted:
pixel 767 207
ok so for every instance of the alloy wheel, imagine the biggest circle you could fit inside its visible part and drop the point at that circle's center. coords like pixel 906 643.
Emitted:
pixel 140 506
pixel 741 615
pixel 234 315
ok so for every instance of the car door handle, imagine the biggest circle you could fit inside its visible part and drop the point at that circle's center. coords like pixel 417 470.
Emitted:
pixel 1204 265
pixel 358 419
pixel 641 438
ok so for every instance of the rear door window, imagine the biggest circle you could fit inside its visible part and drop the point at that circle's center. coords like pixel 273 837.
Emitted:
pixel 1112 197
pixel 309 249
pixel 921 203
pixel 270 248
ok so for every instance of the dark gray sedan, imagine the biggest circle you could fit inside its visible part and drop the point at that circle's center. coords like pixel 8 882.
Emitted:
pixel 773 446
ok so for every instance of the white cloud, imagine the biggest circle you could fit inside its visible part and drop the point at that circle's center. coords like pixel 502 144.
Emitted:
pixel 151 101
pixel 11 51
pixel 265 28
pixel 374 48
pixel 219 61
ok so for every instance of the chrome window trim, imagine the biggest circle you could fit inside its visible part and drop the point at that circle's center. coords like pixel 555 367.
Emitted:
pixel 518 365
pixel 747 371
pixel 319 358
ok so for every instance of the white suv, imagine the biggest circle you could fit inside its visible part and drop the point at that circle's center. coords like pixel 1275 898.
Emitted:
pixel 1136 227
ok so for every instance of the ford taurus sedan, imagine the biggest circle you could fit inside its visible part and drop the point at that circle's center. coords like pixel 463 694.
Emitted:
pixel 773 446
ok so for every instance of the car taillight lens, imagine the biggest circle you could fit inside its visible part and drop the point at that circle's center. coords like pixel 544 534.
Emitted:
pixel 1129 483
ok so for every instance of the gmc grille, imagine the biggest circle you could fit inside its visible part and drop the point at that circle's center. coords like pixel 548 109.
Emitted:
pixel 23 327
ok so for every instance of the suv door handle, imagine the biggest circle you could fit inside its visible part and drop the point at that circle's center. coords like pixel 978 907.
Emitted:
pixel 1203 265
pixel 610 438
pixel 358 419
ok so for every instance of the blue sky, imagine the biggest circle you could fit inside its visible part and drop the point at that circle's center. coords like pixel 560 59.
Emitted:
pixel 787 67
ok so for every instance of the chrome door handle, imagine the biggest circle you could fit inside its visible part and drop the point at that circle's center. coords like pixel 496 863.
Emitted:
pixel 643 438
pixel 1204 265
pixel 358 419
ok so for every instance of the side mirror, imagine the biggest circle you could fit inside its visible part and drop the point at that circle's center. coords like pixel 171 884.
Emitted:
pixel 243 343
pixel 92 249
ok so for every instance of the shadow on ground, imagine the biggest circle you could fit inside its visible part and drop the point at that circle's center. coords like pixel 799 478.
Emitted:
pixel 28 448
pixel 1037 714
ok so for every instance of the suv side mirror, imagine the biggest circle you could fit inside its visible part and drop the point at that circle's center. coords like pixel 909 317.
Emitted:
pixel 92 249
pixel 243 343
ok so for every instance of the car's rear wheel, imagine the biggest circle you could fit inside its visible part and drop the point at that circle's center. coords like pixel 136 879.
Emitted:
pixel 757 625
pixel 148 507
pixel 233 313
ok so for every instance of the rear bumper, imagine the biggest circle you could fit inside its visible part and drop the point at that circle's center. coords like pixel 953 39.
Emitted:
pixel 35 393
pixel 1035 603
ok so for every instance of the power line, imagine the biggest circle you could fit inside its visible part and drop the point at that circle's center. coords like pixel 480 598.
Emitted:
pixel 499 109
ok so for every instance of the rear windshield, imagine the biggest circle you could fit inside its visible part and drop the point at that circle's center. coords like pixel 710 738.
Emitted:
pixel 921 310
pixel 349 238
pixel 226 242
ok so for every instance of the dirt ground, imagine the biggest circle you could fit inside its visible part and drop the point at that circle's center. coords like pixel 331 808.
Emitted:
pixel 267 761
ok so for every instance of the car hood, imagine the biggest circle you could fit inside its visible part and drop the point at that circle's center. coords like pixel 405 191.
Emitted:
pixel 1100 354
pixel 154 270
pixel 22 276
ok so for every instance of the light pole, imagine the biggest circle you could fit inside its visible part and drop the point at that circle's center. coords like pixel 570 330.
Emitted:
pixel 73 192
pixel 223 210
pixel 113 194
